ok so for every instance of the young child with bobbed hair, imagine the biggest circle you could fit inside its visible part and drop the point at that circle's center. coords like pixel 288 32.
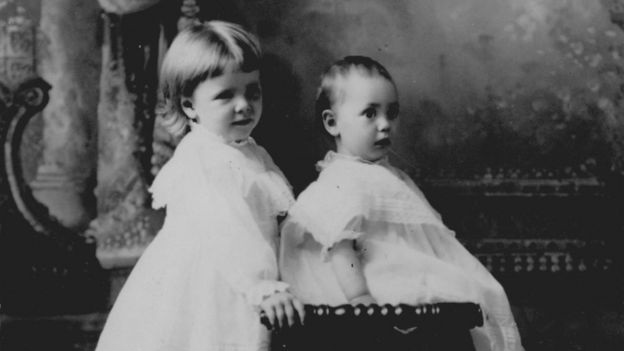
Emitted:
pixel 364 233
pixel 212 269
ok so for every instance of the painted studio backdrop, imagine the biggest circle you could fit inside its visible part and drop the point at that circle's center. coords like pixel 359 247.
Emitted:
pixel 512 121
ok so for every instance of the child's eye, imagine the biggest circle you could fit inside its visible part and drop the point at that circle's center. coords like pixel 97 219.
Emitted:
pixel 224 95
pixel 369 113
pixel 253 93
pixel 393 113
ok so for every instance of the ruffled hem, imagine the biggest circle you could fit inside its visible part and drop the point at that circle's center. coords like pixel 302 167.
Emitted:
pixel 159 197
pixel 508 329
pixel 351 227
pixel 182 168
pixel 321 234
pixel 344 235
pixel 161 190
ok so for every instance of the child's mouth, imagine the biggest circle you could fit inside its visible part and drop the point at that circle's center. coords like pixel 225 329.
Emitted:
pixel 242 122
pixel 385 142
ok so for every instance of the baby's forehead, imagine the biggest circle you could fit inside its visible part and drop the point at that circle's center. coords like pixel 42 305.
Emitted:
pixel 355 77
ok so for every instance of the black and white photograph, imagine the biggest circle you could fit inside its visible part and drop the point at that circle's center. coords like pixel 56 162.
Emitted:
pixel 311 175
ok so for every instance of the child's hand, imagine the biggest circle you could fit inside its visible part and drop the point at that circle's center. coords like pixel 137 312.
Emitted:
pixel 281 308
pixel 365 299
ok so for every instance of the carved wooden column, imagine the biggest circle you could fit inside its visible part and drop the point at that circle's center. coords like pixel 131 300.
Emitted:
pixel 67 54
pixel 128 83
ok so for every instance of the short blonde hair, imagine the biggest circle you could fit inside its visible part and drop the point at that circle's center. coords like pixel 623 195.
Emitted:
pixel 202 51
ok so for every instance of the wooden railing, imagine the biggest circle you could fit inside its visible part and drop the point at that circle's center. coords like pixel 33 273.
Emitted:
pixel 438 326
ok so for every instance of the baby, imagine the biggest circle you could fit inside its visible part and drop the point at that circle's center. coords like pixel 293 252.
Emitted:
pixel 364 233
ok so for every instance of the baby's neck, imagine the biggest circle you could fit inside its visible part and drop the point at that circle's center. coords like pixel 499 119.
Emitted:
pixel 350 157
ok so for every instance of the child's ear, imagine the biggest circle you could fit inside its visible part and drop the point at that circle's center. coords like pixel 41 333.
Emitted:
pixel 187 107
pixel 329 122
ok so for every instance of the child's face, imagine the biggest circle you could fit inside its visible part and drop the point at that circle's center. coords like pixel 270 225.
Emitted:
pixel 229 105
pixel 365 115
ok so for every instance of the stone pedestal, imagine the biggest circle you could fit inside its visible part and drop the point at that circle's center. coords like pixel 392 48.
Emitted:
pixel 68 57
pixel 63 195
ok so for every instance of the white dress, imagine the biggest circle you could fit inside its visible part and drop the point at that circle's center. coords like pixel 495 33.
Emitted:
pixel 408 255
pixel 197 286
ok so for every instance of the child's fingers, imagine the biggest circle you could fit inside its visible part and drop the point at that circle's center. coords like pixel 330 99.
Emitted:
pixel 279 314
pixel 283 309
pixel 300 309
pixel 290 313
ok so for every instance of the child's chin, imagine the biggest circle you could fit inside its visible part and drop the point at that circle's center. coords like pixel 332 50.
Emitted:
pixel 373 158
pixel 242 135
pixel 377 155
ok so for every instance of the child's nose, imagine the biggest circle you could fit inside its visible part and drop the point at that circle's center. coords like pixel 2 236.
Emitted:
pixel 242 105
pixel 383 124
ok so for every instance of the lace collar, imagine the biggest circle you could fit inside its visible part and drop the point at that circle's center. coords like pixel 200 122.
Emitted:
pixel 333 156
pixel 208 135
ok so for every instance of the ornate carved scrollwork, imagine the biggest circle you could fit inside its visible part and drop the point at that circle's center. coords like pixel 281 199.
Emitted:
pixel 19 108
pixel 43 265
pixel 30 98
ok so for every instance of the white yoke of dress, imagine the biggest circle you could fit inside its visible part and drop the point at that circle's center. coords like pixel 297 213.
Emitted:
pixel 408 255
pixel 197 286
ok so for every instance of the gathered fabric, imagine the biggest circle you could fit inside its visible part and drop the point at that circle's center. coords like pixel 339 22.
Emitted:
pixel 199 283
pixel 408 255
